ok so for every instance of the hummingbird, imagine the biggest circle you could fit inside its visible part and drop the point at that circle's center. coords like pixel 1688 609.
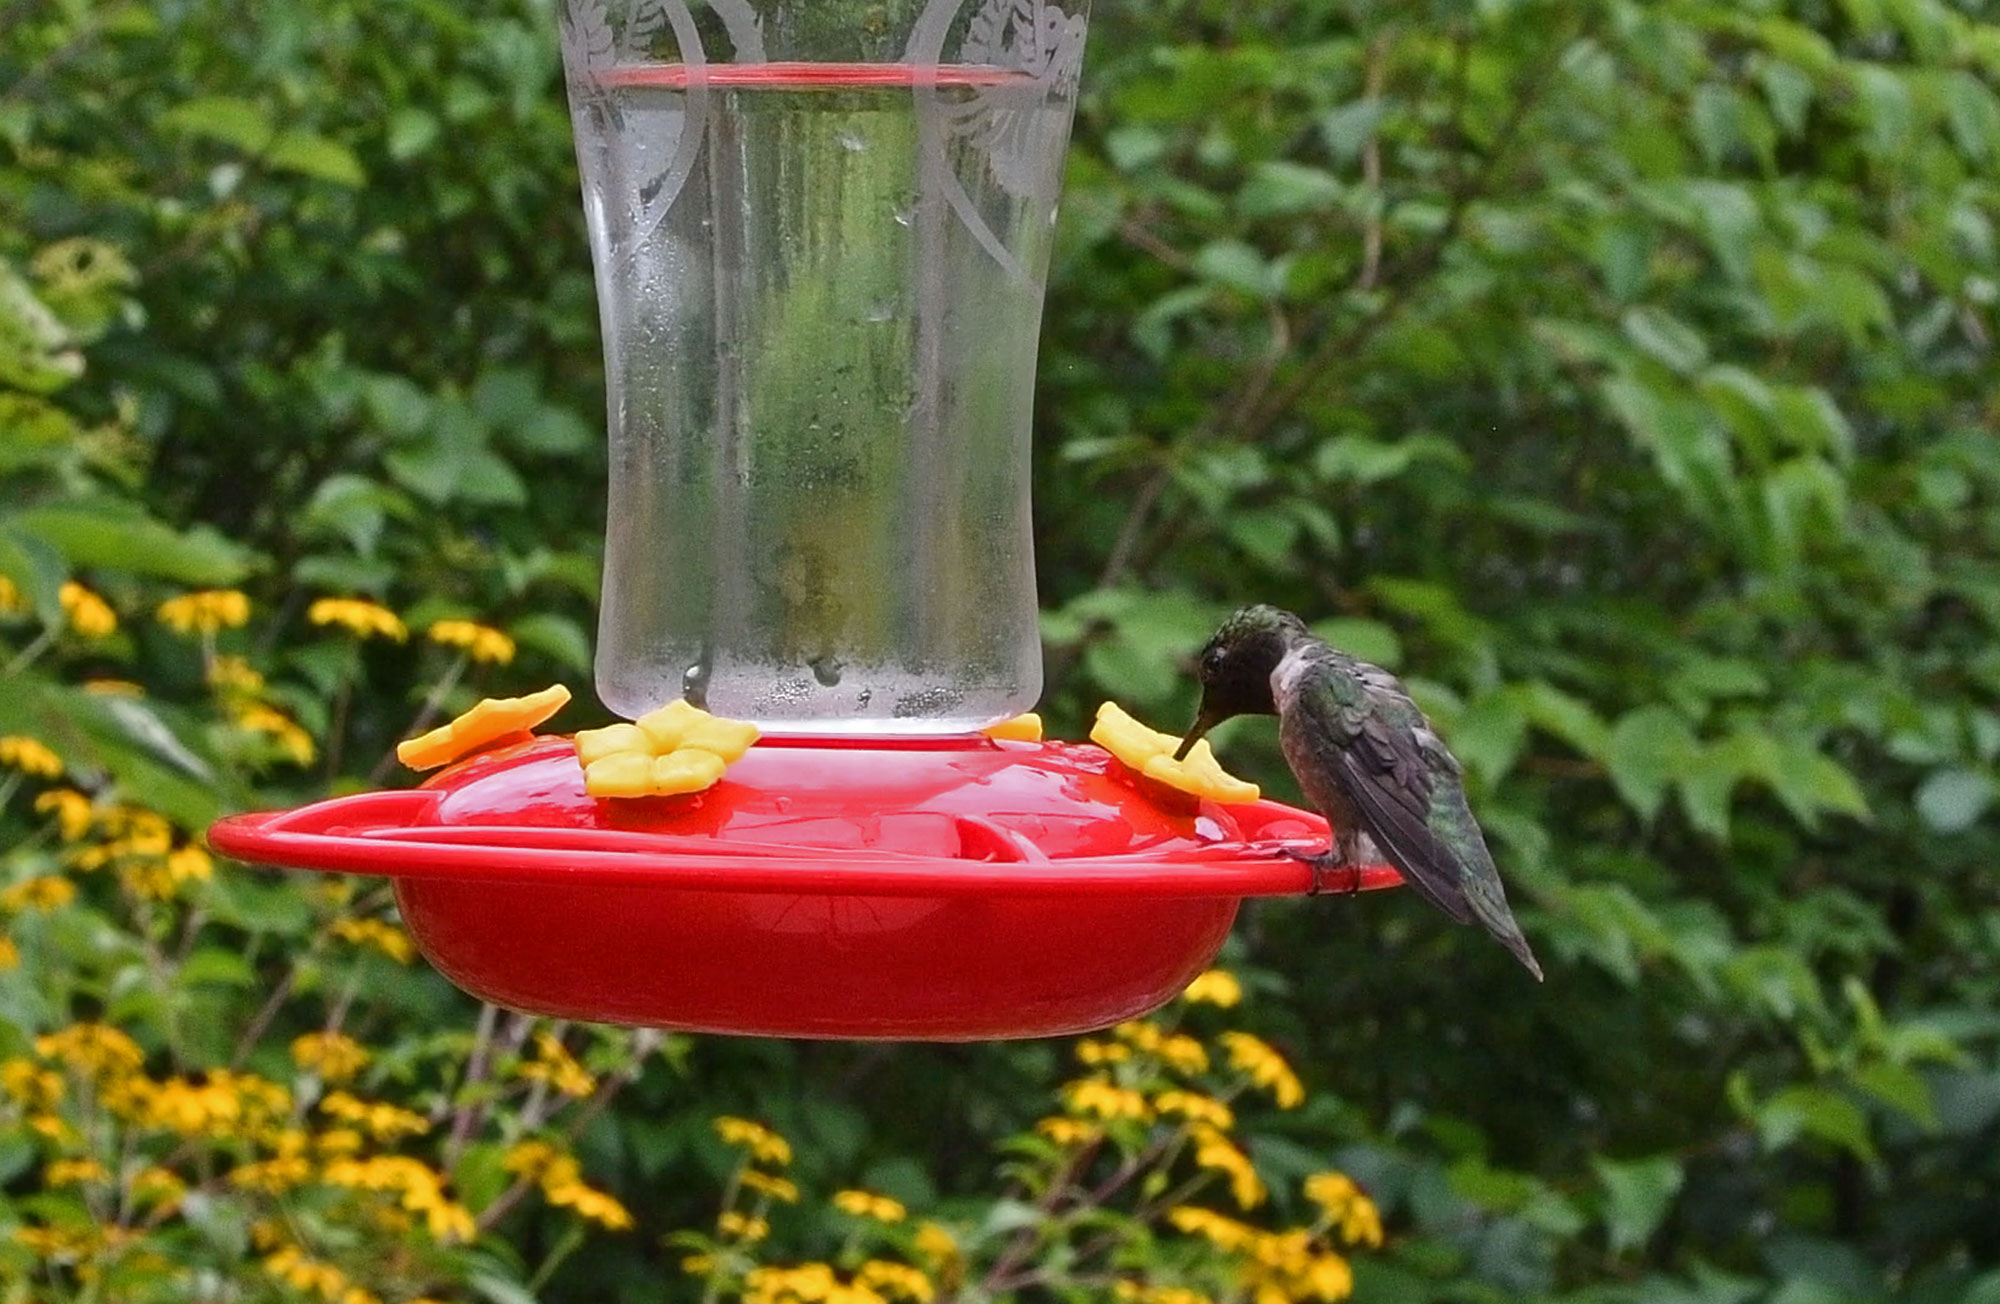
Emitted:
pixel 1365 756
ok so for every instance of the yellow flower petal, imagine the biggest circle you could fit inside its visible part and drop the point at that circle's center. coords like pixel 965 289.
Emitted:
pixel 666 727
pixel 1151 753
pixel 1025 728
pixel 686 770
pixel 593 745
pixel 727 739
pixel 491 720
pixel 621 774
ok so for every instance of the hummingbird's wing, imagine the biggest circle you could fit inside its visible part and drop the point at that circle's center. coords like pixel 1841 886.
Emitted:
pixel 1382 771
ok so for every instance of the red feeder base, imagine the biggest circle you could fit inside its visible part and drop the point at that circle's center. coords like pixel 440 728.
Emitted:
pixel 947 889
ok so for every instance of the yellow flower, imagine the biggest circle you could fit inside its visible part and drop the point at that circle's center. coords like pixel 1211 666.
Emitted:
pixel 334 1056
pixel 274 724
pixel 1214 1150
pixel 1094 1052
pixel 384 1122
pixel 72 1172
pixel 481 642
pixel 190 864
pixel 376 935
pixel 89 615
pixel 1026 728
pixel 764 1145
pixel 93 1049
pixel 1068 1132
pixel 113 688
pixel 698 1265
pixel 419 1188
pixel 206 611
pixel 1265 1067
pixel 589 1203
pixel 1347 1207
pixel 896 1280
pixel 557 1067
pixel 233 674
pixel 30 757
pixel 742 1227
pixel 1224 1233
pixel 936 1243
pixel 12 602
pixel 1151 753
pixel 1133 1292
pixel 10 954
pixel 867 1204
pixel 676 749
pixel 157 1187
pixel 272 1176
pixel 46 892
pixel 1289 1266
pixel 72 810
pixel 360 617
pixel 1195 1108
pixel 1099 1098
pixel 1214 987
pixel 530 1158
pixel 30 1086
pixel 306 1275
pixel 781 1189
pixel 491 721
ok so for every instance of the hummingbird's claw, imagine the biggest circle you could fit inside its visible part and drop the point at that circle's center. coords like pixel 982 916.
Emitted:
pixel 1326 864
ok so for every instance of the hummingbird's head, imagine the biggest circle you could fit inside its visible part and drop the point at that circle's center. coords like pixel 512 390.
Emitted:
pixel 1235 668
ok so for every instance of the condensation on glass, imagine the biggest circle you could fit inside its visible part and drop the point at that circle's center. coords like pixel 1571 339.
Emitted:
pixel 821 231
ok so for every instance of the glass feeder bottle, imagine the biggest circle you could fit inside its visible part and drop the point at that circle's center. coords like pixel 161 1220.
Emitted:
pixel 821 232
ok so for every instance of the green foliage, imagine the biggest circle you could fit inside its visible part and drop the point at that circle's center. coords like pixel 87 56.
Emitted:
pixel 1620 373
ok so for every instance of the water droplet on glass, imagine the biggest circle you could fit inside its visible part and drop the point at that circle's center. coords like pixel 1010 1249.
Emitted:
pixel 852 143
pixel 826 669
pixel 694 684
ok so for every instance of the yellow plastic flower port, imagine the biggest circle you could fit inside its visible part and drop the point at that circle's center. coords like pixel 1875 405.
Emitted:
pixel 1025 728
pixel 1151 753
pixel 493 720
pixel 676 749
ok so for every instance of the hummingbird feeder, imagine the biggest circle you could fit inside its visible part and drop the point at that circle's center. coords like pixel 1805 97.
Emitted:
pixel 821 233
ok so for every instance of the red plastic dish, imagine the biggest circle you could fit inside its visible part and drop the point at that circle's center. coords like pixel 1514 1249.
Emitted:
pixel 938 889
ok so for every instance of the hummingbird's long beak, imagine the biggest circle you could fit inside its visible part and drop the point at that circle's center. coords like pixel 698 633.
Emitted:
pixel 1204 720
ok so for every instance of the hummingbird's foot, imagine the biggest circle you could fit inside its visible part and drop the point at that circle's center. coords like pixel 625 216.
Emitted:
pixel 1329 867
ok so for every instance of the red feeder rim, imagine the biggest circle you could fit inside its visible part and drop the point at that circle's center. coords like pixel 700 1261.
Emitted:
pixel 941 888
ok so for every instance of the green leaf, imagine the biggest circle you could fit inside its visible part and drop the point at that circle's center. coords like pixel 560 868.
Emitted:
pixel 1952 801
pixel 113 534
pixel 1665 338
pixel 1638 1195
pixel 1279 188
pixel 1901 1088
pixel 1236 266
pixel 1569 718
pixel 1644 753
pixel 557 637
pixel 1370 640
pixel 227 118
pixel 1815 1111
pixel 317 157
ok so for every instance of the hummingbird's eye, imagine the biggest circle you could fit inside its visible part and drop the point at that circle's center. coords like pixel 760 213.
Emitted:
pixel 1211 661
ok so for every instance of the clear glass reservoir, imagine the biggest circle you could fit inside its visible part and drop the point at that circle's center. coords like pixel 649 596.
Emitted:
pixel 821 232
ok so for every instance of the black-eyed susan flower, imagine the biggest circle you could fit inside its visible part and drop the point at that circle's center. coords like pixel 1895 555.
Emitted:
pixel 94 1050
pixel 478 642
pixel 896 1281
pixel 490 723
pixel 1151 753
pixel 1346 1207
pixel 677 749
pixel 30 757
pixel 554 1065
pixel 281 729
pixel 359 617
pixel 43 892
pixel 782 1189
pixel 376 935
pixel 867 1204
pixel 89 615
pixel 71 809
pixel 1214 1151
pixel 1224 1233
pixel 1265 1067
pixel 334 1056
pixel 1216 987
pixel 207 611
pixel 1102 1098
pixel 763 1145
pixel 1195 1108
